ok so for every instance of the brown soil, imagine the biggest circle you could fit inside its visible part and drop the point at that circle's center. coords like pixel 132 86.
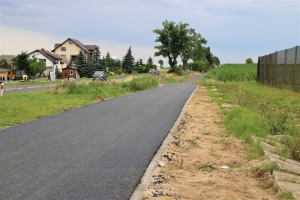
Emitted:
pixel 196 154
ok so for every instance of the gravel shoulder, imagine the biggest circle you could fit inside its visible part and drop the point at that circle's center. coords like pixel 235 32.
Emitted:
pixel 203 162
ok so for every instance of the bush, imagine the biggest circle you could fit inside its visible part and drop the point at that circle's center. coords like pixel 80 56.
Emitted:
pixel 111 74
pixel 176 70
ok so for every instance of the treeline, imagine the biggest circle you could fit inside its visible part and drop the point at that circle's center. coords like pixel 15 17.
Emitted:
pixel 180 41
pixel 88 65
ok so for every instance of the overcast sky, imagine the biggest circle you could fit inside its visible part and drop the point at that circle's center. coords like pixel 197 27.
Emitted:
pixel 235 29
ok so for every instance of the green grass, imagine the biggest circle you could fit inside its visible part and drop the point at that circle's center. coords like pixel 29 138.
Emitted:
pixel 233 72
pixel 286 195
pixel 18 108
pixel 262 110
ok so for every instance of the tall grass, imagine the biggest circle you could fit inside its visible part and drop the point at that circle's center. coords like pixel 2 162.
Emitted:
pixel 263 111
pixel 233 72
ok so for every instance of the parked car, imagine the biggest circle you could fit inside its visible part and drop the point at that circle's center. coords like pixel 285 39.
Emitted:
pixel 154 71
pixel 100 75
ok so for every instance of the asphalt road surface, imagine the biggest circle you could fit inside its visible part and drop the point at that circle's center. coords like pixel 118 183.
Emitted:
pixel 95 152
pixel 26 88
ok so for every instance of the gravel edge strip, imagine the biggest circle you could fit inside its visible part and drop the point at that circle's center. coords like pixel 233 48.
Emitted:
pixel 145 180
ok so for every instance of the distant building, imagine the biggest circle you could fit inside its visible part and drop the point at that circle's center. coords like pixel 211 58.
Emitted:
pixel 70 48
pixel 51 61
pixel 8 58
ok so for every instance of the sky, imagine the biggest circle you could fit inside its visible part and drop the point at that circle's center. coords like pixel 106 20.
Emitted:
pixel 234 29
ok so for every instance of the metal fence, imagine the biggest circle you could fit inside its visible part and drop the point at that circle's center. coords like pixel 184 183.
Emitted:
pixel 280 69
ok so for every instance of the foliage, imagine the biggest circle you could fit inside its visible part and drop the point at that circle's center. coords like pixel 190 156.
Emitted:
pixel 98 63
pixel 21 62
pixel 36 66
pixel 200 66
pixel 234 72
pixel 4 64
pixel 70 64
pixel 172 39
pixel 216 61
pixel 176 70
pixel 128 61
pixel 58 74
pixel 249 61
pixel 81 64
pixel 192 46
pixel 161 62
pixel 150 61
pixel 141 62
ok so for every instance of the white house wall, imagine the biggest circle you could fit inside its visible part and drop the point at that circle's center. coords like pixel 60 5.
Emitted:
pixel 49 64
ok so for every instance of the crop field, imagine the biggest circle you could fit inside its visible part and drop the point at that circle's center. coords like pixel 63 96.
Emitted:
pixel 261 111
pixel 234 72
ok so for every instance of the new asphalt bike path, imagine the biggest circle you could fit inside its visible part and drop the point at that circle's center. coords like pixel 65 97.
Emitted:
pixel 100 151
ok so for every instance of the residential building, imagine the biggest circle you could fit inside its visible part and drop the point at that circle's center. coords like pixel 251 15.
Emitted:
pixel 51 61
pixel 8 58
pixel 70 48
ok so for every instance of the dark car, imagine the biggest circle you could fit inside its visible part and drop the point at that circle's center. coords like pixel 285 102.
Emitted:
pixel 154 71
pixel 100 75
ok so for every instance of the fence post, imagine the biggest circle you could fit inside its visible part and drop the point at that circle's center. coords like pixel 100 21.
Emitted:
pixel 295 67
pixel 284 74
pixel 275 69
pixel 1 88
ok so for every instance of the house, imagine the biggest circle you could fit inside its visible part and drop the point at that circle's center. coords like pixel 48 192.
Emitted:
pixel 8 58
pixel 70 73
pixel 6 74
pixel 70 48
pixel 51 61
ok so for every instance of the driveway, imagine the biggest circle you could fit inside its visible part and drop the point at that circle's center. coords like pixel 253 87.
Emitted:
pixel 95 152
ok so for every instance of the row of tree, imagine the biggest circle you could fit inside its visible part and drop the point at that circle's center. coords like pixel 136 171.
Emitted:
pixel 87 65
pixel 178 40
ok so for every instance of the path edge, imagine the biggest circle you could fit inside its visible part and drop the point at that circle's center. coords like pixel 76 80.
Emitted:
pixel 145 180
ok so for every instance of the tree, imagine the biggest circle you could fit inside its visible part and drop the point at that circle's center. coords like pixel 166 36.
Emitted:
pixel 4 64
pixel 209 56
pixel 81 64
pixel 128 61
pixel 216 61
pixel 249 61
pixel 150 61
pixel 70 64
pixel 58 74
pixel 141 62
pixel 192 46
pixel 21 62
pixel 36 65
pixel 98 63
pixel 161 62
pixel 173 38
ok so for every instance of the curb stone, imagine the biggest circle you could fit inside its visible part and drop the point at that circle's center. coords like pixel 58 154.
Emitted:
pixel 145 180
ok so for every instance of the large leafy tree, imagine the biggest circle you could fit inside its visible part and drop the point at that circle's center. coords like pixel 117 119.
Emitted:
pixel 4 64
pixel 173 38
pixel 81 64
pixel 128 61
pixel 21 62
pixel 192 46
pixel 36 65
